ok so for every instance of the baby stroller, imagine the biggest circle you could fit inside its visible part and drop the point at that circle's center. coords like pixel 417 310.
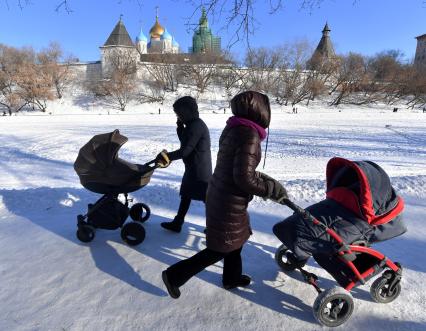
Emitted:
pixel 101 171
pixel 360 208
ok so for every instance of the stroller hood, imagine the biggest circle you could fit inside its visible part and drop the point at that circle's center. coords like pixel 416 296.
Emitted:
pixel 364 188
pixel 101 170
pixel 99 153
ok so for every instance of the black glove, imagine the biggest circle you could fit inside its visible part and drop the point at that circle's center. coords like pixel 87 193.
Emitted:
pixel 264 176
pixel 276 191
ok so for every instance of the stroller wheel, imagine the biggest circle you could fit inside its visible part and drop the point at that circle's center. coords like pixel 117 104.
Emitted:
pixel 333 307
pixel 382 293
pixel 282 259
pixel 85 233
pixel 133 233
pixel 140 212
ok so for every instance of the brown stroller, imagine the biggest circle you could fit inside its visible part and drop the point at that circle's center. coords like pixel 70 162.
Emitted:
pixel 101 171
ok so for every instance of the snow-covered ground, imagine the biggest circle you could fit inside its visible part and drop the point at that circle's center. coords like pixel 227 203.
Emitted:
pixel 51 281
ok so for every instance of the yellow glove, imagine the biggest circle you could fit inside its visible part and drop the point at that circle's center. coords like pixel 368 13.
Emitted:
pixel 162 160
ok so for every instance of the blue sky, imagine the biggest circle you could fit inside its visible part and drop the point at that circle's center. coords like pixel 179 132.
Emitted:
pixel 364 26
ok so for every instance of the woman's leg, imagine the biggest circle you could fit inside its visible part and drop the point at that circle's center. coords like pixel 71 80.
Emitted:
pixel 183 209
pixel 232 267
pixel 176 224
pixel 179 273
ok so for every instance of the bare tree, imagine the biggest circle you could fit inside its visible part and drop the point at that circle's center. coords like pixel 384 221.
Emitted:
pixel 119 84
pixel 386 76
pixel 351 77
pixel 416 86
pixel 231 79
pixel 50 58
pixel 262 65
pixel 11 59
pixel 201 69
pixel 35 85
pixel 23 80
pixel 322 71
pixel 149 92
pixel 293 83
pixel 164 70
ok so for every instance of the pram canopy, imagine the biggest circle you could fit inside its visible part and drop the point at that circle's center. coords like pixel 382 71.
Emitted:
pixel 360 204
pixel 364 188
pixel 101 170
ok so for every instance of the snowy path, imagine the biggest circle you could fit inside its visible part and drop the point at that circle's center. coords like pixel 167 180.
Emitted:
pixel 51 281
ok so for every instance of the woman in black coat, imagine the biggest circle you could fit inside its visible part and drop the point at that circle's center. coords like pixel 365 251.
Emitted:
pixel 196 155
pixel 234 182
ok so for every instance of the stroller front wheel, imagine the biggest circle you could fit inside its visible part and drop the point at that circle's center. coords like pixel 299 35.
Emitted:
pixel 333 307
pixel 382 293
pixel 140 212
pixel 282 259
pixel 133 233
pixel 85 233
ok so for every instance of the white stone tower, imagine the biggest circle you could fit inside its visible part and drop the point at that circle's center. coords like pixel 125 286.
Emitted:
pixel 118 43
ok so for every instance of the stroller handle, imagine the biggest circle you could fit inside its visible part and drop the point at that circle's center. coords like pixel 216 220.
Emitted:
pixel 290 204
pixel 149 166
pixel 308 216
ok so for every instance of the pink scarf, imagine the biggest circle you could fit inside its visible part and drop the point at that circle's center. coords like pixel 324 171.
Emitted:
pixel 240 121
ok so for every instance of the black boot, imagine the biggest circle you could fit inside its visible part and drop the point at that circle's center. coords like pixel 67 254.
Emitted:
pixel 173 290
pixel 244 281
pixel 175 225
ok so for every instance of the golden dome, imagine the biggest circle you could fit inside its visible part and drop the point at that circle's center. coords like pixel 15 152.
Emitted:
pixel 157 30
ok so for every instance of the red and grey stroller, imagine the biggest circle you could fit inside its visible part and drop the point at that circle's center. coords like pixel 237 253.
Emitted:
pixel 360 208
pixel 101 171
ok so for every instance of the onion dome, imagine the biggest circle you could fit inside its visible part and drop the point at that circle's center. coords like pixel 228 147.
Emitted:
pixel 157 30
pixel 141 37
pixel 166 35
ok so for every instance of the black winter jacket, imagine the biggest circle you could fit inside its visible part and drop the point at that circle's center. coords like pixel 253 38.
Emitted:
pixel 195 152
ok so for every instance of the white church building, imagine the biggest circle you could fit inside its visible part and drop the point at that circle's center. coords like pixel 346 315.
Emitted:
pixel 119 41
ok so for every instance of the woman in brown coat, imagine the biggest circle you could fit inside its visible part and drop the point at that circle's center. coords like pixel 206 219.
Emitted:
pixel 233 184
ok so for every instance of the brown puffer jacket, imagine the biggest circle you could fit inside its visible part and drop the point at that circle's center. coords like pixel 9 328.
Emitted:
pixel 235 179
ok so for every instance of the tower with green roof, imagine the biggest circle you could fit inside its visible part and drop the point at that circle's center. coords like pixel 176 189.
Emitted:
pixel 203 40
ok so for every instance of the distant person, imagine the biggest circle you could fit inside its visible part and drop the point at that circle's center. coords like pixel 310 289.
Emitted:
pixel 424 109
pixel 195 152
pixel 231 188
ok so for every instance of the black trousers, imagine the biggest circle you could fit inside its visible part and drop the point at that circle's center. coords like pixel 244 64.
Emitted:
pixel 185 202
pixel 182 271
